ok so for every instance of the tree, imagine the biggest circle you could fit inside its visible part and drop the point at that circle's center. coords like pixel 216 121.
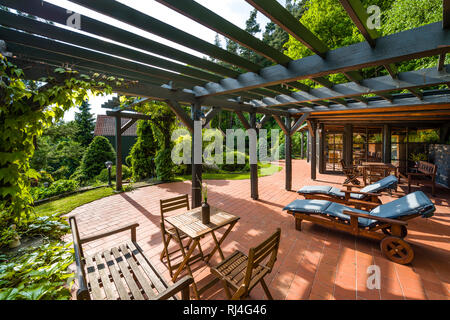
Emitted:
pixel 57 152
pixel 163 122
pixel 98 152
pixel 408 14
pixel 143 152
pixel 85 124
pixel 328 20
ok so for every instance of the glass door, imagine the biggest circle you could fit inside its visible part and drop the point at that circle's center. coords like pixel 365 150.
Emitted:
pixel 333 151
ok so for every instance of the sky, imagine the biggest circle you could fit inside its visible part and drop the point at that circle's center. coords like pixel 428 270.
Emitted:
pixel 235 11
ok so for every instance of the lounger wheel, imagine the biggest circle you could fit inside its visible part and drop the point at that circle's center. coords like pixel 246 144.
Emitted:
pixel 397 250
pixel 388 231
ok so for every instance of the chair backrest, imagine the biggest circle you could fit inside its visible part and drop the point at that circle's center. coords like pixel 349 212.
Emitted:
pixel 427 168
pixel 259 253
pixel 167 205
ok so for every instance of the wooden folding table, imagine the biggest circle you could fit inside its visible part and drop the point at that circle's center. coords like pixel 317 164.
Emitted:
pixel 190 223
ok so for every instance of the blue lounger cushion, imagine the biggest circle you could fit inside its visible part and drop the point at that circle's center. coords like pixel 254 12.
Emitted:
pixel 413 203
pixel 386 183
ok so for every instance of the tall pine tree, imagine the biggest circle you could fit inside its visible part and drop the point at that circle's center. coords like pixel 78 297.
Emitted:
pixel 85 124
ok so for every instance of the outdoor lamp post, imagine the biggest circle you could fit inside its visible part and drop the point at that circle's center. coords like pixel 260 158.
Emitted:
pixel 108 165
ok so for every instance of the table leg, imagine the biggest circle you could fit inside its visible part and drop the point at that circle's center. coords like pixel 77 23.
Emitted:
pixel 220 242
pixel 185 262
pixel 217 245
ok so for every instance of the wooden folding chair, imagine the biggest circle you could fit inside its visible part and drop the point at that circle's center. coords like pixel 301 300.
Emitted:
pixel 168 234
pixel 351 172
pixel 242 273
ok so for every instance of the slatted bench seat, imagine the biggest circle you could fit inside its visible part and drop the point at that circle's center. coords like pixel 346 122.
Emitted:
pixel 122 272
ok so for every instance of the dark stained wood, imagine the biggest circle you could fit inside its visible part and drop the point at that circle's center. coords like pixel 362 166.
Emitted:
pixel 127 125
pixel 254 167
pixel 425 175
pixel 181 114
pixel 352 227
pixel 196 193
pixel 118 154
pixel 446 14
pixel 288 154
pixel 313 136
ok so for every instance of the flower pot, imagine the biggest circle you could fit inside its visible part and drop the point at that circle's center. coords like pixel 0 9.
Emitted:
pixel 205 213
pixel 14 244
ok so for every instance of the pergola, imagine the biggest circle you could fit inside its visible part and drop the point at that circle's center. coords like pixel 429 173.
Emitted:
pixel 38 47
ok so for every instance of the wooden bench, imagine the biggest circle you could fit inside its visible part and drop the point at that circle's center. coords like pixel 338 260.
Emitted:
pixel 122 272
pixel 425 175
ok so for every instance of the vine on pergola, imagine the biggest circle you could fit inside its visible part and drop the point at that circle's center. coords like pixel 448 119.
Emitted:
pixel 26 108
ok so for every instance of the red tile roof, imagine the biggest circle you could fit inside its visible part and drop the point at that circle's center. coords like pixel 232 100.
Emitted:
pixel 106 126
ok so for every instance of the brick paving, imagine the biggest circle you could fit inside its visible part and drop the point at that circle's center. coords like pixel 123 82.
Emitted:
pixel 315 263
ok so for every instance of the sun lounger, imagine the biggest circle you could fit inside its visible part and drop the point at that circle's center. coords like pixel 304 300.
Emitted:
pixel 390 218
pixel 368 193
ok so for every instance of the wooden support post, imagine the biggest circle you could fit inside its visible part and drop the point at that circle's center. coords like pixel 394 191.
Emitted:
pixel 321 148
pixel 386 143
pixel 313 133
pixel 253 167
pixel 308 147
pixel 348 144
pixel 118 153
pixel 196 158
pixel 302 145
pixel 288 155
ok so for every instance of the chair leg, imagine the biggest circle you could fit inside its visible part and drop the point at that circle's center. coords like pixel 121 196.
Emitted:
pixel 227 290
pixel 165 252
pixel 266 290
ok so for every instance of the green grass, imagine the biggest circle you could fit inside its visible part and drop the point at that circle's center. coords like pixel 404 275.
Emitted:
pixel 265 170
pixel 65 205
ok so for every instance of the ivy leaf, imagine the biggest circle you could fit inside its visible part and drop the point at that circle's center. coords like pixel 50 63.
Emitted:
pixel 8 293
pixel 60 70
pixel 36 292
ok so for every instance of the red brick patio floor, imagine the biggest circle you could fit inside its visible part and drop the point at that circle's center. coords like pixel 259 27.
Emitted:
pixel 315 263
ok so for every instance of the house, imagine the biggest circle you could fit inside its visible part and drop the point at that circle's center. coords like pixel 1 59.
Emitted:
pixel 105 126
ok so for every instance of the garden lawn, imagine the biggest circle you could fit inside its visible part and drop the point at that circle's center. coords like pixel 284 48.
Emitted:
pixel 265 170
pixel 67 204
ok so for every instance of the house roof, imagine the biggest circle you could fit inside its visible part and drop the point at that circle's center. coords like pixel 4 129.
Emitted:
pixel 106 126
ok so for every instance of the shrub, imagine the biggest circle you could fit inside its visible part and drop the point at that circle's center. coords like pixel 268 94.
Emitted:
pixel 164 165
pixel 56 188
pixel 99 151
pixel 142 154
pixel 235 167
pixel 103 176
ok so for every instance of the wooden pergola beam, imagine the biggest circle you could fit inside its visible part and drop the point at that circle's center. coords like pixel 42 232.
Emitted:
pixel 446 14
pixel 181 114
pixel 145 22
pixel 379 85
pixel 421 42
pixel 127 125
pixel 211 114
pixel 358 14
pixel 299 122
pixel 243 120
pixel 283 18
pixel 282 125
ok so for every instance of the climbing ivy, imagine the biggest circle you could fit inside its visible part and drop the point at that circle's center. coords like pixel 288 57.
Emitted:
pixel 26 108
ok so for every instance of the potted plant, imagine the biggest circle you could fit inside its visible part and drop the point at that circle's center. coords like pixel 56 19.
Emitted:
pixel 205 205
pixel 416 157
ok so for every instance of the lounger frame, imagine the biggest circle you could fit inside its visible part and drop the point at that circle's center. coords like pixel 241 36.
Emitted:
pixel 389 231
